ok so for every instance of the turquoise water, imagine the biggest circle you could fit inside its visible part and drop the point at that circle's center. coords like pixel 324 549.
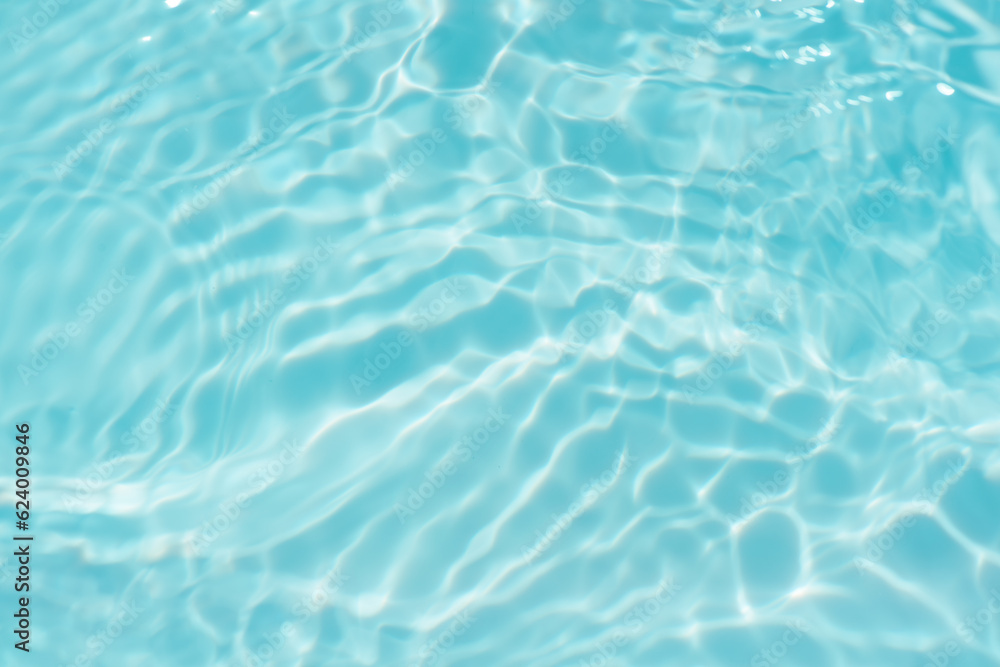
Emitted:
pixel 503 333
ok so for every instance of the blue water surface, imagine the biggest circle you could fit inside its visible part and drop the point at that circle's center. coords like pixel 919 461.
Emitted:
pixel 502 332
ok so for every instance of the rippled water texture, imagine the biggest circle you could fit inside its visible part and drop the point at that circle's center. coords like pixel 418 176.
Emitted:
pixel 511 332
